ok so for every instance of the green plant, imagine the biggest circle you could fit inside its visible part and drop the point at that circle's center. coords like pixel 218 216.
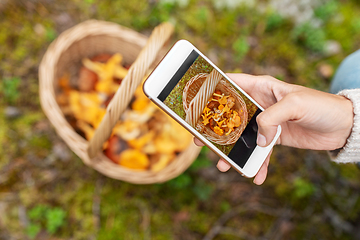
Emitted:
pixel 202 161
pixel 32 230
pixel 311 37
pixel 326 10
pixel 181 3
pixel 43 216
pixel 181 182
pixel 274 21
pixel 50 34
pixel 202 189
pixel 241 47
pixel 302 188
pixel 202 14
pixel 190 180
pixel 54 219
pixel 356 25
pixel 9 88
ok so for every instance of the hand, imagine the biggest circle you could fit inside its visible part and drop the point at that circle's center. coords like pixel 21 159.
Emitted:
pixel 309 118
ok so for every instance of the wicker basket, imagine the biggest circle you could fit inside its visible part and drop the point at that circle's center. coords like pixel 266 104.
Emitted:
pixel 191 89
pixel 86 40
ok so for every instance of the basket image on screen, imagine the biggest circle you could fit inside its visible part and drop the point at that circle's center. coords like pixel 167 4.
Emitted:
pixel 65 54
pixel 198 91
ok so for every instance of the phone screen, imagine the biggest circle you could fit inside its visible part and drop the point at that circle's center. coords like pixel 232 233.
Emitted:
pixel 217 109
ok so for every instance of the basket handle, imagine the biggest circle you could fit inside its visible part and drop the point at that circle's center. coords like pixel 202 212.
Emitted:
pixel 128 86
pixel 198 103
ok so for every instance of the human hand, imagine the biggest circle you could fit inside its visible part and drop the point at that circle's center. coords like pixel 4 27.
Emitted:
pixel 309 118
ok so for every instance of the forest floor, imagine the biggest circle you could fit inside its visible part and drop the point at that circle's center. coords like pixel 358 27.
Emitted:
pixel 46 192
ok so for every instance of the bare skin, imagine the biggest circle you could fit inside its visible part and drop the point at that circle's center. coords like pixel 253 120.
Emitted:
pixel 310 119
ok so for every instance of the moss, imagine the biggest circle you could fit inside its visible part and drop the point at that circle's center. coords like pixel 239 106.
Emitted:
pixel 350 171
pixel 342 30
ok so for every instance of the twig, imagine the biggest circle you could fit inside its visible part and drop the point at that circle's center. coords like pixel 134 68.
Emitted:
pixel 219 228
pixel 274 231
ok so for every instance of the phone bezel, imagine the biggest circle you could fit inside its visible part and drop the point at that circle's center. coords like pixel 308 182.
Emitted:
pixel 159 78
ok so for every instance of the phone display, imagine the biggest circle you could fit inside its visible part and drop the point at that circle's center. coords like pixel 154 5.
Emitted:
pixel 217 109
pixel 193 91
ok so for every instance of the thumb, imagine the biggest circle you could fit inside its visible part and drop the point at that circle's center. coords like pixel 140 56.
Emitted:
pixel 269 120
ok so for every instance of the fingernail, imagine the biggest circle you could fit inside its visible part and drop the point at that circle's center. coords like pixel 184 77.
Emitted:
pixel 222 166
pixel 261 140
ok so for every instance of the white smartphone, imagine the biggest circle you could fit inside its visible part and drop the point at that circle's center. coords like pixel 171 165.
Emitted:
pixel 198 95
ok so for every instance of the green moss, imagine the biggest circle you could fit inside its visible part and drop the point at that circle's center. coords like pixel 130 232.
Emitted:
pixel 311 37
pixel 327 10
pixel 274 21
pixel 40 142
pixel 350 171
pixel 344 31
pixel 241 48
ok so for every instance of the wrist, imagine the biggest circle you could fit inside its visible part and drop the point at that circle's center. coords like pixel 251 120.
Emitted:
pixel 348 118
pixel 351 151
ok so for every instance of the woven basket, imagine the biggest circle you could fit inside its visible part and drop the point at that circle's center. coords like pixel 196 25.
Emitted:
pixel 191 89
pixel 86 40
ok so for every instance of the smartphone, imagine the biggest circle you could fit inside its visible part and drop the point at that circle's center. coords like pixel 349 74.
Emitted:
pixel 198 95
